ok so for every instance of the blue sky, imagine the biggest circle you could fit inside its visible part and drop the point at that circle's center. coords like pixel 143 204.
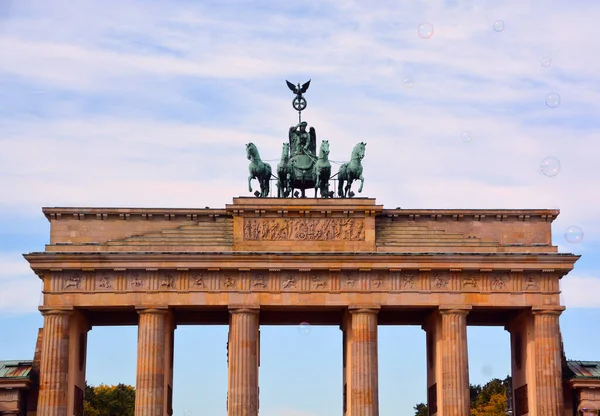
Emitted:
pixel 150 103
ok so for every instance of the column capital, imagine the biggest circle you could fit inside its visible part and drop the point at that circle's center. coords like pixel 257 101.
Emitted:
pixel 373 309
pixel 253 309
pixel 455 309
pixel 547 310
pixel 152 309
pixel 45 310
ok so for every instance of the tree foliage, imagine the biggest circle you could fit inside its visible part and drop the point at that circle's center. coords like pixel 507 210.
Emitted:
pixel 486 400
pixel 104 400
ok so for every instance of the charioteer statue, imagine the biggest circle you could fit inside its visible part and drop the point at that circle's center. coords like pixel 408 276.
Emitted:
pixel 301 167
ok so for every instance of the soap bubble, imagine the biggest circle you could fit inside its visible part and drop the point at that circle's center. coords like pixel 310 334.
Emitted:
pixel 425 30
pixel 574 234
pixel 304 328
pixel 466 136
pixel 499 25
pixel 550 166
pixel 553 100
pixel 408 82
pixel 546 62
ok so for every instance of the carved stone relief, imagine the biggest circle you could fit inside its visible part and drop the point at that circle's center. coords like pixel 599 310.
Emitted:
pixel 531 283
pixel 378 282
pixel 289 281
pixel 318 282
pixel 303 229
pixel 409 281
pixel 167 281
pixel 72 282
pixel 499 281
pixel 197 281
pixel 349 281
pixel 259 281
pixel 230 281
pixel 469 281
pixel 135 281
pixel 440 280
pixel 104 281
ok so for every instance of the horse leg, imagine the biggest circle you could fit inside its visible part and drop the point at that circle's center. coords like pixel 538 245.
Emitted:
pixel 348 186
pixel 249 183
pixel 317 181
pixel 362 182
pixel 340 187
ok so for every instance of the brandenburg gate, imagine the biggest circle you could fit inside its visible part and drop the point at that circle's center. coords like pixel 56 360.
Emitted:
pixel 336 261
pixel 288 259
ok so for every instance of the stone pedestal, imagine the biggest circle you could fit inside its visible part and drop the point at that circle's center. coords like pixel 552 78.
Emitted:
pixel 242 397
pixel 151 362
pixel 455 363
pixel 54 371
pixel 363 393
pixel 548 368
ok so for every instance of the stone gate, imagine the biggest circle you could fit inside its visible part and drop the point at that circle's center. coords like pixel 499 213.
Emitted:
pixel 346 262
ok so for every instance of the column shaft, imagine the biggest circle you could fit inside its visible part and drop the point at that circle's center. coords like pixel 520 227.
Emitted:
pixel 242 397
pixel 54 367
pixel 151 363
pixel 548 364
pixel 364 383
pixel 455 364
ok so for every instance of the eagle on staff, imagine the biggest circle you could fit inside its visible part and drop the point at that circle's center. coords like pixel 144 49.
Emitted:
pixel 299 102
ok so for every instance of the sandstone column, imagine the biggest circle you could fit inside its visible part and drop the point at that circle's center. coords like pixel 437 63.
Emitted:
pixel 363 395
pixel 54 368
pixel 548 363
pixel 151 362
pixel 455 363
pixel 242 397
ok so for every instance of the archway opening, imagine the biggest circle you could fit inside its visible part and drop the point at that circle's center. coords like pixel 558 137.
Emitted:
pixel 300 370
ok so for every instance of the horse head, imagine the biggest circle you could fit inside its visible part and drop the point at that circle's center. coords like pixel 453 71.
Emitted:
pixel 251 150
pixel 285 151
pixel 359 151
pixel 324 149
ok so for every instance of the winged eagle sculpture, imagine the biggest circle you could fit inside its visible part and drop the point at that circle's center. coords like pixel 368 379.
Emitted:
pixel 298 90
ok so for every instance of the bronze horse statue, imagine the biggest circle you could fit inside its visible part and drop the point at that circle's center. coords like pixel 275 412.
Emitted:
pixel 258 170
pixel 351 171
pixel 322 170
pixel 284 173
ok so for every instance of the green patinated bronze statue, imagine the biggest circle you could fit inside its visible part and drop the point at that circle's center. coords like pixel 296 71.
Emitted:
pixel 300 168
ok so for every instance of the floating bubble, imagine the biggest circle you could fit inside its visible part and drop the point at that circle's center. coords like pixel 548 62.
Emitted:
pixel 425 30
pixel 550 166
pixel 553 100
pixel 408 82
pixel 574 234
pixel 466 136
pixel 499 25
pixel 546 62
pixel 304 328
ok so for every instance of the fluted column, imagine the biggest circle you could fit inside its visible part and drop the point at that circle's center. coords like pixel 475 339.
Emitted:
pixel 54 367
pixel 242 398
pixel 548 363
pixel 151 362
pixel 364 378
pixel 455 363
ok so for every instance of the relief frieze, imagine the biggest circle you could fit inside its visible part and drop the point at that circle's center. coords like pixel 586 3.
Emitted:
pixel 409 281
pixel 318 282
pixel 469 281
pixel 499 281
pixel 135 281
pixel 304 229
pixel 167 281
pixel 72 282
pixel 104 281
pixel 440 280
pixel 197 281
pixel 531 282
pixel 259 281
